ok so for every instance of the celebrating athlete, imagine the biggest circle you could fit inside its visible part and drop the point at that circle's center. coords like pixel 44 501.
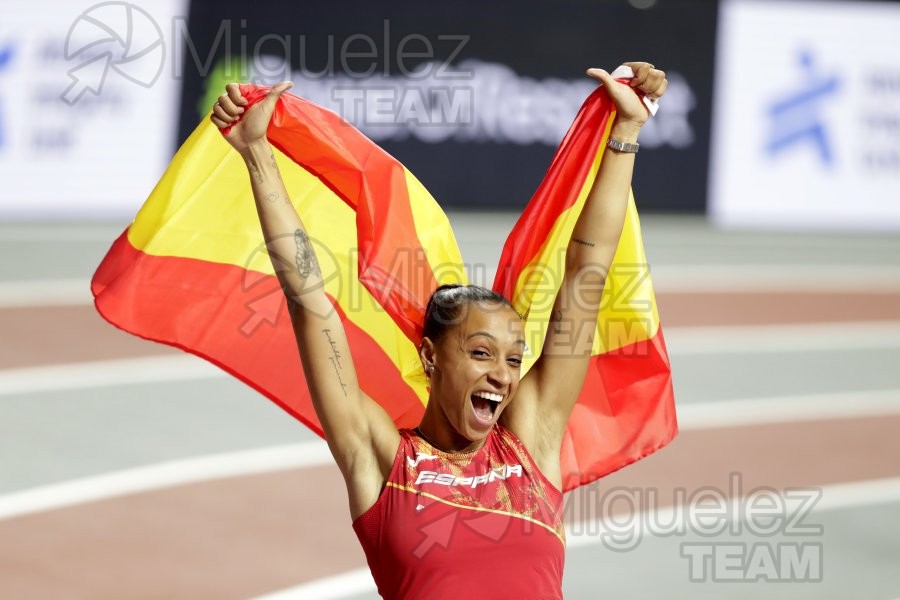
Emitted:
pixel 468 504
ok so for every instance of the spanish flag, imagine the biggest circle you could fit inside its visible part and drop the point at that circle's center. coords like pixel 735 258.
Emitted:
pixel 192 271
pixel 626 409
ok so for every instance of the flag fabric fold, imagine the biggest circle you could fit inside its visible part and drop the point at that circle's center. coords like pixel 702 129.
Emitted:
pixel 626 409
pixel 192 271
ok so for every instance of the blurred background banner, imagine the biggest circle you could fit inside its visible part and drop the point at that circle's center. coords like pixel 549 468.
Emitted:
pixel 96 98
pixel 86 106
pixel 476 116
pixel 807 115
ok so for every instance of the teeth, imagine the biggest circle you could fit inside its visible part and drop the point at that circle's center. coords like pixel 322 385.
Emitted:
pixel 489 396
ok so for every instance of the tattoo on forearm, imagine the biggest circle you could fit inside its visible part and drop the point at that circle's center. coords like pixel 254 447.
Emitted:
pixel 306 259
pixel 276 196
pixel 272 160
pixel 335 359
pixel 255 173
pixel 583 242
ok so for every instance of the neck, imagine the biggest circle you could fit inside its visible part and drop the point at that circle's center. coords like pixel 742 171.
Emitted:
pixel 438 432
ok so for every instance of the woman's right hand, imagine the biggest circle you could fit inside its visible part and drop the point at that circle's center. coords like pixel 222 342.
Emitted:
pixel 248 126
pixel 629 108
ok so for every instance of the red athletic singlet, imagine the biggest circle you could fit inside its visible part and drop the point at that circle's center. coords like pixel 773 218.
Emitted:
pixel 483 524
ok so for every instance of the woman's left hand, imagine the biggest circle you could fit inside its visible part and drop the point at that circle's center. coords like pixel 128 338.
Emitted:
pixel 647 79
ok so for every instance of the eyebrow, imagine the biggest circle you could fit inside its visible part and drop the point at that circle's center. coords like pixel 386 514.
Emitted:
pixel 488 335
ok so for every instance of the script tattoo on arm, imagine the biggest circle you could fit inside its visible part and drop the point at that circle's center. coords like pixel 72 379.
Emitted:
pixel 306 259
pixel 335 359
pixel 583 242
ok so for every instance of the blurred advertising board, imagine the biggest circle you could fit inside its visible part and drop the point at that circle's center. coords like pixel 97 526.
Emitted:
pixel 87 105
pixel 473 97
pixel 806 122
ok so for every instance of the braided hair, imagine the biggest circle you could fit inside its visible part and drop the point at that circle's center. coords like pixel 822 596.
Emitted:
pixel 447 307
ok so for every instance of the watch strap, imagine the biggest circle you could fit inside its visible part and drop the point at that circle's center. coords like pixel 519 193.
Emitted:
pixel 622 146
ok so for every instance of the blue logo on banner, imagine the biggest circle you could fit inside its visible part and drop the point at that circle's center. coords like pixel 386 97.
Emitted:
pixel 795 120
pixel 5 58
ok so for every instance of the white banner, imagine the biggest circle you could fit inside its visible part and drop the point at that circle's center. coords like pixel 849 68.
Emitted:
pixel 806 116
pixel 88 106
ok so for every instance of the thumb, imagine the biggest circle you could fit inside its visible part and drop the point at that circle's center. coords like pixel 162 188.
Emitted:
pixel 276 91
pixel 601 76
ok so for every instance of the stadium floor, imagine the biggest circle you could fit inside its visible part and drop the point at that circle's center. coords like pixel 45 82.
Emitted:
pixel 131 470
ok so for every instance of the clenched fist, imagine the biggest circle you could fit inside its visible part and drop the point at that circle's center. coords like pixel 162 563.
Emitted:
pixel 629 109
pixel 248 126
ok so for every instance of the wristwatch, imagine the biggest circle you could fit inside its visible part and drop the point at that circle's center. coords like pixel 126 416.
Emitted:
pixel 622 146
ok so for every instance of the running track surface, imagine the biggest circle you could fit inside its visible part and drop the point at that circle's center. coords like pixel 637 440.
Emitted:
pixel 131 470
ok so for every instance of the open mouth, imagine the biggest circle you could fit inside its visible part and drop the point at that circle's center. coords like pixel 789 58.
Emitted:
pixel 485 405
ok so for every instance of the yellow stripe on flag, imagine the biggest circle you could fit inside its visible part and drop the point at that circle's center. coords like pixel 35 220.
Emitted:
pixel 628 312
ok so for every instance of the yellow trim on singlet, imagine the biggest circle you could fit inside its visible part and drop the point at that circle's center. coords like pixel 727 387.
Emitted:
pixel 561 537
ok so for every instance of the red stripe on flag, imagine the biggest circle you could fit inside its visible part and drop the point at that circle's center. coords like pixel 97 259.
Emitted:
pixel 392 265
pixel 557 192
pixel 237 320
pixel 625 412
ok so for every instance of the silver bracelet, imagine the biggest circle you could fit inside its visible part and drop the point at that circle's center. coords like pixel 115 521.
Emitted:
pixel 622 146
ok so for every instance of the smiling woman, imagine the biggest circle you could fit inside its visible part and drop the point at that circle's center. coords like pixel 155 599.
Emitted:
pixel 434 506
pixel 478 486
pixel 471 349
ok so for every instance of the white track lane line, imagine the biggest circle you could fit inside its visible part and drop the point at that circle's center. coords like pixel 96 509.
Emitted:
pixel 107 373
pixel 762 278
pixel 706 415
pixel 45 292
pixel 165 475
pixel 763 339
pixel 802 337
pixel 666 279
pixel 349 583
pixel 834 497
pixel 788 409
pixel 54 233
pixel 680 341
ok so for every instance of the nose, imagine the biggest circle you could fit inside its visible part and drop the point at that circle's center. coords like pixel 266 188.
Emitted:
pixel 500 375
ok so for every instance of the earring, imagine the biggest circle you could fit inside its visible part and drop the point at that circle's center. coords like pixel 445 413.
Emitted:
pixel 429 368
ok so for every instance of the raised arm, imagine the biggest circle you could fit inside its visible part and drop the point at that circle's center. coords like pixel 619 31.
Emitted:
pixel 360 434
pixel 550 389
